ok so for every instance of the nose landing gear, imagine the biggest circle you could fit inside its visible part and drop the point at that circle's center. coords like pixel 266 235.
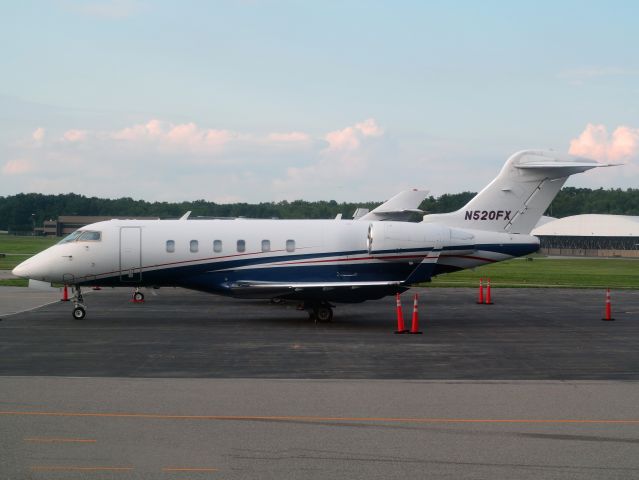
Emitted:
pixel 79 309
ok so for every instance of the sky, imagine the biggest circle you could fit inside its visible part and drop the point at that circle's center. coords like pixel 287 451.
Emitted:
pixel 258 101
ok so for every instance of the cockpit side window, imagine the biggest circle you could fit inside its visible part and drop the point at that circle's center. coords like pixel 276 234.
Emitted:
pixel 82 236
pixel 90 236
pixel 72 237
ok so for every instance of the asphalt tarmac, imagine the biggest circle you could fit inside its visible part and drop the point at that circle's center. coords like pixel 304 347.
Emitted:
pixel 70 428
pixel 527 334
pixel 193 386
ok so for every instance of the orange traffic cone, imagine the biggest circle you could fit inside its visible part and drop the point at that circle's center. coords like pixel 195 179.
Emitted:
pixel 608 317
pixel 480 294
pixel 400 316
pixel 414 328
pixel 488 301
pixel 65 294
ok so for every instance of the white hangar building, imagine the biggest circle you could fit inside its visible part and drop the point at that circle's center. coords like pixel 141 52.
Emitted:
pixel 590 235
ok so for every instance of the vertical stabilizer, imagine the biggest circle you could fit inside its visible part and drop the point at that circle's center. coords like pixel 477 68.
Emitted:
pixel 517 198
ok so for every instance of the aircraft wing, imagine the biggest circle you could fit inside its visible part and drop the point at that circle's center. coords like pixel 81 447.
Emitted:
pixel 398 208
pixel 261 289
pixel 299 286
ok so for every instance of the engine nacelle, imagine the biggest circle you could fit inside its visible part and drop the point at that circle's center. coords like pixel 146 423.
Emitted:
pixel 386 238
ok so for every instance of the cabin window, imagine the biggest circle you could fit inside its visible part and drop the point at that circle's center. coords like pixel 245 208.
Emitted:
pixel 241 245
pixel 266 245
pixel 290 245
pixel 193 246
pixel 217 246
pixel 170 246
pixel 90 236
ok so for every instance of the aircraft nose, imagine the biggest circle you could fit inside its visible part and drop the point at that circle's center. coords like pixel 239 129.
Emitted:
pixel 21 271
pixel 36 268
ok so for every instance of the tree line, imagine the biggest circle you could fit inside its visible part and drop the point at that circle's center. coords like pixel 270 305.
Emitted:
pixel 21 212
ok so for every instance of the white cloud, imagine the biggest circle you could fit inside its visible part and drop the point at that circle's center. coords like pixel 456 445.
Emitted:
pixel 164 160
pixel 168 137
pixel 622 146
pixel 351 154
pixel 17 167
pixel 75 136
pixel 595 142
pixel 38 135
pixel 350 138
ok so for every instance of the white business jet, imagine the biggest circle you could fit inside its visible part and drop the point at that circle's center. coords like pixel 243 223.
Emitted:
pixel 313 261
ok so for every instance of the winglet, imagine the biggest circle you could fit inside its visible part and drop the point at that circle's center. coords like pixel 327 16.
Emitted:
pixel 398 208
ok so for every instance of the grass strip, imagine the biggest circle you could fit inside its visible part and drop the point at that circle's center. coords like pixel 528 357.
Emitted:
pixel 549 272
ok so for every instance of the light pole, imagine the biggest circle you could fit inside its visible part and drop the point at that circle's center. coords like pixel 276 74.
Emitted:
pixel 33 224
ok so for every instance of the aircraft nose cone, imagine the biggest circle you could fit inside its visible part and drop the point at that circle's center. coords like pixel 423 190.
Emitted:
pixel 36 268
pixel 20 271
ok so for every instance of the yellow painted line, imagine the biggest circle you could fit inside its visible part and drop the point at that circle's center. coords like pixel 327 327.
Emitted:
pixel 58 440
pixel 305 418
pixel 186 469
pixel 74 468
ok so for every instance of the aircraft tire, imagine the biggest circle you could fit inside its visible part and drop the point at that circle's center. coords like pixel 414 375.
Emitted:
pixel 323 314
pixel 79 313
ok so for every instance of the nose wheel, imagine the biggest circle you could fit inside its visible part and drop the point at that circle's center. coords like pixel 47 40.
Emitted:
pixel 79 312
pixel 79 309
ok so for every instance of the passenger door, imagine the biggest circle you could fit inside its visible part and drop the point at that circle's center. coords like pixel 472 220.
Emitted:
pixel 130 254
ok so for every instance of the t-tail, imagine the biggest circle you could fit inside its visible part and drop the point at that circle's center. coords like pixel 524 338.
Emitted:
pixel 517 198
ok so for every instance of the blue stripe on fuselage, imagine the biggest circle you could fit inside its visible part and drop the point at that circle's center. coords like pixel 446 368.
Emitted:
pixel 211 276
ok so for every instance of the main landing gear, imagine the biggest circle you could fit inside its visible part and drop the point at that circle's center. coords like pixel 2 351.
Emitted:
pixel 79 309
pixel 138 296
pixel 321 312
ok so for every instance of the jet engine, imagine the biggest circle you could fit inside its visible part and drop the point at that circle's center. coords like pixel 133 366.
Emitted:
pixel 394 237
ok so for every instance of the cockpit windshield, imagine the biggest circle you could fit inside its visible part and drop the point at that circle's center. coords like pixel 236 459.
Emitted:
pixel 81 236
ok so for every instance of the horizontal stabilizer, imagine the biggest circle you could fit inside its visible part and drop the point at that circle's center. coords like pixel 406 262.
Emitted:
pixel 541 159
pixel 559 165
